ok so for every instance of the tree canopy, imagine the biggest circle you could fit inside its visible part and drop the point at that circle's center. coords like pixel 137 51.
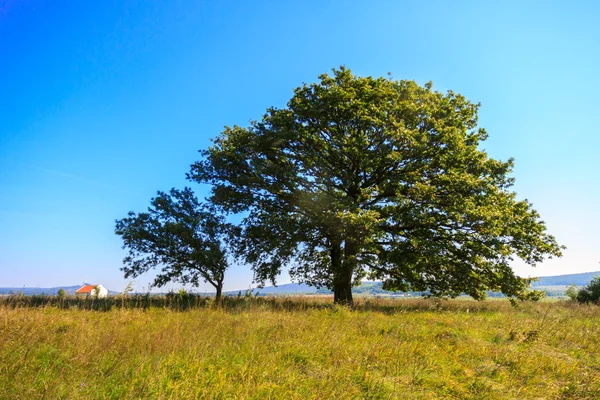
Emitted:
pixel 374 177
pixel 185 238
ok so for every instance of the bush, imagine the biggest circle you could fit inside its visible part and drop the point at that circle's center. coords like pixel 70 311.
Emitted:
pixel 572 292
pixel 591 292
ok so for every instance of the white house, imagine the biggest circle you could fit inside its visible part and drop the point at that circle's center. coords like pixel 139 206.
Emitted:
pixel 90 290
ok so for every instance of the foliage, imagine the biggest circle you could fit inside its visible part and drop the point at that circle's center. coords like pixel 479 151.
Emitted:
pixel 184 237
pixel 61 293
pixel 128 289
pixel 591 292
pixel 379 178
pixel 304 348
pixel 572 292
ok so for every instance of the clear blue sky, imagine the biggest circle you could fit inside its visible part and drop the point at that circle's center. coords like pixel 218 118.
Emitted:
pixel 103 103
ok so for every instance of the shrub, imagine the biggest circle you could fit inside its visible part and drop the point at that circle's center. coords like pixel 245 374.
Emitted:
pixel 572 292
pixel 591 292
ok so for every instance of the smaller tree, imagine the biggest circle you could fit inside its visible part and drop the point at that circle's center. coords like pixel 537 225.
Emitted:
pixel 61 293
pixel 128 289
pixel 591 292
pixel 572 292
pixel 187 239
pixel 96 292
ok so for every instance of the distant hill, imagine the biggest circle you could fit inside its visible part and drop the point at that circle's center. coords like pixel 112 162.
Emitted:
pixel 565 280
pixel 553 283
pixel 29 291
pixel 288 288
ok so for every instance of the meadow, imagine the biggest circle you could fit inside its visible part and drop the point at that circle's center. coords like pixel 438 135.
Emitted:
pixel 297 348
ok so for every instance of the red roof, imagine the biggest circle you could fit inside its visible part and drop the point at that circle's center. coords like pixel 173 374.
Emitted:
pixel 86 289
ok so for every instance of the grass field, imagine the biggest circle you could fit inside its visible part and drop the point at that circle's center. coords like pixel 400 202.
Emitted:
pixel 303 348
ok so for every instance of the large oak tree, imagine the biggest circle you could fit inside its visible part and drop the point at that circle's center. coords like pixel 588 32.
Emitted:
pixel 374 177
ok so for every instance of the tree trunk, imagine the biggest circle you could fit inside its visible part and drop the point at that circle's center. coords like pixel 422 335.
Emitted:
pixel 342 293
pixel 342 275
pixel 219 288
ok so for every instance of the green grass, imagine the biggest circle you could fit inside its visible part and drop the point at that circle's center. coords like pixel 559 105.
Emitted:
pixel 303 348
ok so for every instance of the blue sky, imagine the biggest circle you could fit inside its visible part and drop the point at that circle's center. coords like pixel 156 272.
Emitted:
pixel 104 103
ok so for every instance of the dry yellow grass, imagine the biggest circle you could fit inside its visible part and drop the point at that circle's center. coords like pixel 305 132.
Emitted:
pixel 304 348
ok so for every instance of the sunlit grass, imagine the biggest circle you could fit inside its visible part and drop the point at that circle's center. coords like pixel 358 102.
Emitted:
pixel 303 348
